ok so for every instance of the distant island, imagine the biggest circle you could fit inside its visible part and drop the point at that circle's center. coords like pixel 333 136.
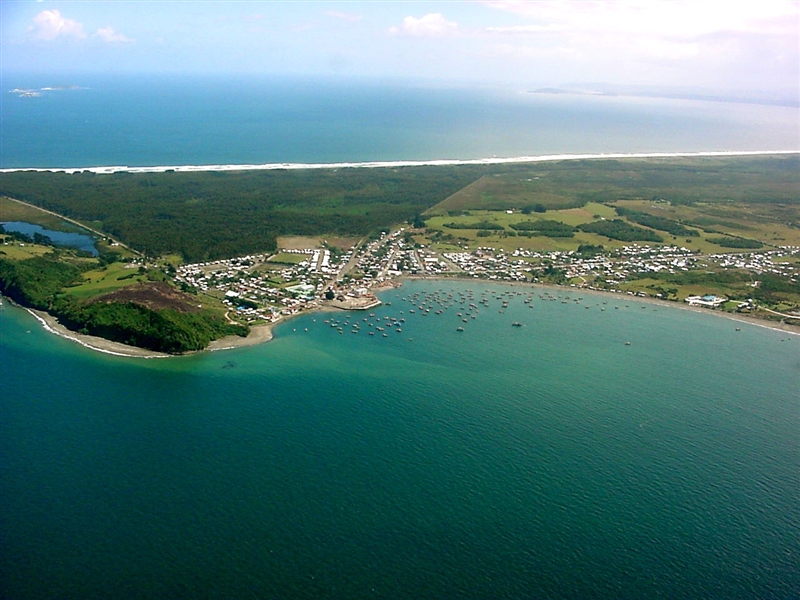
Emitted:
pixel 186 258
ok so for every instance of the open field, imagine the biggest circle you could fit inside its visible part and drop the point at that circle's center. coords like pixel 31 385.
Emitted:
pixel 288 258
pixel 772 224
pixel 11 210
pixel 104 280
pixel 558 185
pixel 18 251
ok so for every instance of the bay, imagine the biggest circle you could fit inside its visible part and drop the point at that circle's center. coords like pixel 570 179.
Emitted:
pixel 550 460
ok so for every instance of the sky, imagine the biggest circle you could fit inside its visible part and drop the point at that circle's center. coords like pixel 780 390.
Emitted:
pixel 725 45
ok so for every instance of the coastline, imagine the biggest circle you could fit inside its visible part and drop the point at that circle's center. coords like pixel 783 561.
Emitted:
pixel 260 334
pixel 107 170
pixel 742 318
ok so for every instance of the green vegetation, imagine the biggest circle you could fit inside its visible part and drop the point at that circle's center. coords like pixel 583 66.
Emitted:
pixel 476 225
pixel 655 222
pixel 546 227
pixel 42 282
pixel 211 215
pixel 589 207
pixel 37 281
pixel 735 242
pixel 617 229
pixel 680 181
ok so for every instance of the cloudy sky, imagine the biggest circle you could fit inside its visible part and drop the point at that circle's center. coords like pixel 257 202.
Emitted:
pixel 730 44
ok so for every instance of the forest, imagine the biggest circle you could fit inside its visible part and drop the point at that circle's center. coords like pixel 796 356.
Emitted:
pixel 210 215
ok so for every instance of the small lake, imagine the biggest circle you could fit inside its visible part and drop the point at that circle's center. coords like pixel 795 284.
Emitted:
pixel 79 241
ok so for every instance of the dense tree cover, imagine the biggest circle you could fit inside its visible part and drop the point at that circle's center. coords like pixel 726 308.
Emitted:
pixel 36 281
pixel 165 330
pixel 656 222
pixel 476 225
pixel 617 229
pixel 532 208
pixel 546 227
pixel 590 250
pixel 209 215
pixel 39 283
pixel 735 242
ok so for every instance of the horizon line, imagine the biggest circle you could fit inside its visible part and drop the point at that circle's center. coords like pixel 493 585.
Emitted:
pixel 108 170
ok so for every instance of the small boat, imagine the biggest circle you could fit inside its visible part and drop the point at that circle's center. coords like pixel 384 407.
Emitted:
pixel 459 329
pixel 516 324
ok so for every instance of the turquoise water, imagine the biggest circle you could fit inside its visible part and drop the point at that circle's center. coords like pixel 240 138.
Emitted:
pixel 60 238
pixel 549 460
pixel 181 120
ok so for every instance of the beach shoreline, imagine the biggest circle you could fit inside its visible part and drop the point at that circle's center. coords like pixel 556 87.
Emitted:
pixel 260 334
pixel 108 170
pixel 742 318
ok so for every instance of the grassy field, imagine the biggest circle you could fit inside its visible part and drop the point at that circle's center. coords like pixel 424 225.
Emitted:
pixel 106 279
pixel 11 210
pixel 288 258
pixel 752 198
pixel 567 184
pixel 17 251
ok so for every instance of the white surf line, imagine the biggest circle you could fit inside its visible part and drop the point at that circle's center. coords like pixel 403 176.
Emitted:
pixel 398 163
pixel 46 326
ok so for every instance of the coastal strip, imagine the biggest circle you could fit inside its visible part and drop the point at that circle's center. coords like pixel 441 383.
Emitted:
pixel 258 335
pixel 98 344
pixel 107 170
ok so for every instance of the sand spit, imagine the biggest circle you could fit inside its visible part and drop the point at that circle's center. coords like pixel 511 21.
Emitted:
pixel 401 163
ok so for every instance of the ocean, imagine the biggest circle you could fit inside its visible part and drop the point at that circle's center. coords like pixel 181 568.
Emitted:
pixel 138 121
pixel 550 460
pixel 605 448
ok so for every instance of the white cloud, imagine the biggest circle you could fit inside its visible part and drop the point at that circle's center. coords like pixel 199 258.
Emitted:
pixel 684 18
pixel 107 34
pixel 50 25
pixel 431 25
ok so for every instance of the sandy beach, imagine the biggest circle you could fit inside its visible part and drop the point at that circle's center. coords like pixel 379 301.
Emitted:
pixel 98 344
pixel 107 170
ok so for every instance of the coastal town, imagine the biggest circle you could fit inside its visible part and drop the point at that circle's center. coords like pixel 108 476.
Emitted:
pixel 268 287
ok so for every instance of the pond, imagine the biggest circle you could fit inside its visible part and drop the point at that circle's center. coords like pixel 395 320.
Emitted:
pixel 79 241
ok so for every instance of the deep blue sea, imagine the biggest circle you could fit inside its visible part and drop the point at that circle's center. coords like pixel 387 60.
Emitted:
pixel 179 120
pixel 551 460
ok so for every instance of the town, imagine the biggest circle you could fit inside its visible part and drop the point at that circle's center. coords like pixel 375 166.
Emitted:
pixel 268 287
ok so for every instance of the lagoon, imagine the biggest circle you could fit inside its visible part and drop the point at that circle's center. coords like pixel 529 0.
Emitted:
pixel 80 241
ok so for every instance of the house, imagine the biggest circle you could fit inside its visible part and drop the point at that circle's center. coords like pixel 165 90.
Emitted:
pixel 707 301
